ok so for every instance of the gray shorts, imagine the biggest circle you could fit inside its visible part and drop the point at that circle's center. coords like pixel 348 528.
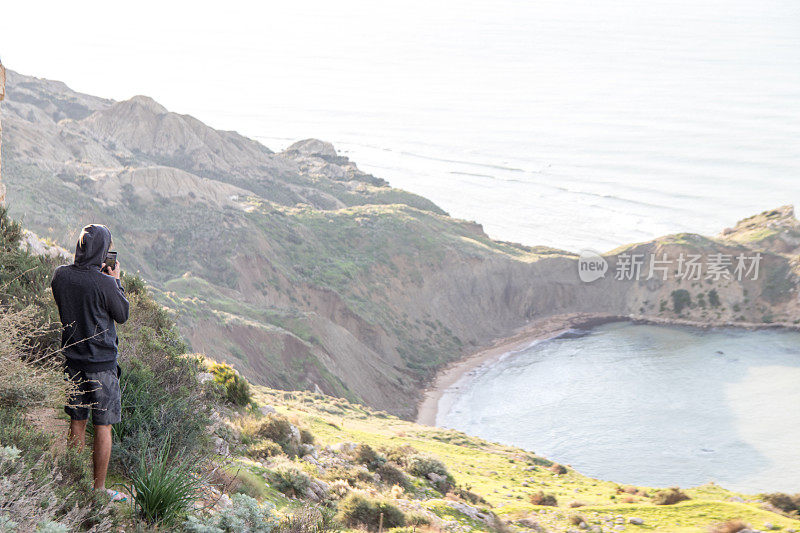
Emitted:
pixel 97 392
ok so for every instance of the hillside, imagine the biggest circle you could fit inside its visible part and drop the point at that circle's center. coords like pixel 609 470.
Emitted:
pixel 304 272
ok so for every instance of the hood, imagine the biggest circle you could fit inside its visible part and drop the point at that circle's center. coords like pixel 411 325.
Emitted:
pixel 93 244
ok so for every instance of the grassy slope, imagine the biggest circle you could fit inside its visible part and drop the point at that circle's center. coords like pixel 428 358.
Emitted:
pixel 497 472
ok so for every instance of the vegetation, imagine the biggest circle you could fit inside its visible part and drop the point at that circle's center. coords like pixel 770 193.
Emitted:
pixel 361 511
pixel 237 389
pixel 164 486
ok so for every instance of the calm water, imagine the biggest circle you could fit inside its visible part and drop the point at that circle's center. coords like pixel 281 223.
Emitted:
pixel 648 405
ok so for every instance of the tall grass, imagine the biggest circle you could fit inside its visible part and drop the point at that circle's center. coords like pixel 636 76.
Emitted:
pixel 163 488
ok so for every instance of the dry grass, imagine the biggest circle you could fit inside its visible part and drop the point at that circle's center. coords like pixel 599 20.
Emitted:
pixel 731 526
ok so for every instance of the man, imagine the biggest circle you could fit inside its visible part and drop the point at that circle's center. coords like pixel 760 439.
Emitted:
pixel 90 299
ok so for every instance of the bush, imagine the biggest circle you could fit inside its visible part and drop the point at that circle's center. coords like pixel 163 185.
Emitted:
pixel 421 465
pixel 357 510
pixel 25 282
pixel 278 429
pixel 364 454
pixel 350 474
pixel 311 520
pixel 237 389
pixel 264 449
pixel 162 399
pixel 392 475
pixel 163 489
pixel 540 498
pixel 558 469
pixel 51 488
pixel 400 454
pixel 290 480
pixel 669 496
pixel 680 300
pixel 783 501
pixel 27 379
pixel 306 437
pixel 427 467
pixel 245 515
pixel 731 526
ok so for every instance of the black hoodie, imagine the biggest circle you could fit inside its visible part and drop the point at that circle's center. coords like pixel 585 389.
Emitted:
pixel 89 302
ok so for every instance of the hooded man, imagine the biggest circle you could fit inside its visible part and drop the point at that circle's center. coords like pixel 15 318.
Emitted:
pixel 90 299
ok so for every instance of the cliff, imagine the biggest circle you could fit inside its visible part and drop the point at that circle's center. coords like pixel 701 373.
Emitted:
pixel 303 271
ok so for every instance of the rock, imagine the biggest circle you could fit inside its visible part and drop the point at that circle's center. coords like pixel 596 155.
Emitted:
pixel 224 501
pixel 344 447
pixel 436 478
pixel 205 377
pixel 636 521
pixel 769 526
pixel 220 446
pixel 295 433
pixel 267 410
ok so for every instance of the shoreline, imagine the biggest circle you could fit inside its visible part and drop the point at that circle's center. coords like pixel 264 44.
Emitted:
pixel 544 329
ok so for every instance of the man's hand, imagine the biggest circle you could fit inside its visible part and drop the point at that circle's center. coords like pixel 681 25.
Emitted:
pixel 113 273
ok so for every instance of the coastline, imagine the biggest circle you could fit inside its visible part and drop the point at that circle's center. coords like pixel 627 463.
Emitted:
pixel 542 329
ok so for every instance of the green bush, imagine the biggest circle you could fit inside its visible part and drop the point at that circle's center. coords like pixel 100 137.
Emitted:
pixel 162 399
pixel 680 300
pixel 422 465
pixel 237 389
pixel 360 511
pixel 164 488
pixel 290 480
pixel 245 515
pixel 25 282
pixel 669 496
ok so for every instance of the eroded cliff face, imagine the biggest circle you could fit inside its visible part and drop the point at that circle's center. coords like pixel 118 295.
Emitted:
pixel 304 272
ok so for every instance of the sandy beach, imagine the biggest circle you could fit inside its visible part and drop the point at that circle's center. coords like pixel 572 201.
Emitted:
pixel 545 328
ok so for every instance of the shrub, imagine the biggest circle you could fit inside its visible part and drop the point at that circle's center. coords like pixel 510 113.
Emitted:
pixel 669 496
pixel 713 298
pixel 421 465
pixel 162 399
pixel 558 469
pixel 577 520
pixel 400 454
pixel 358 510
pixel 540 498
pixel 237 389
pixel 36 494
pixel 351 474
pixel 278 429
pixel 784 502
pixel 308 519
pixel 731 526
pixel 246 514
pixel 163 489
pixel 264 449
pixel 28 377
pixel 290 480
pixel 680 300
pixel 364 454
pixel 24 283
pixel 306 437
pixel 392 475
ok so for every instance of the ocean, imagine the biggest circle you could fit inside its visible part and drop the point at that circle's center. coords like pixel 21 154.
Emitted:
pixel 647 405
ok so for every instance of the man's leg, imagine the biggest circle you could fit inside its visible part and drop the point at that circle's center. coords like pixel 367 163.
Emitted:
pixel 77 434
pixel 101 455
